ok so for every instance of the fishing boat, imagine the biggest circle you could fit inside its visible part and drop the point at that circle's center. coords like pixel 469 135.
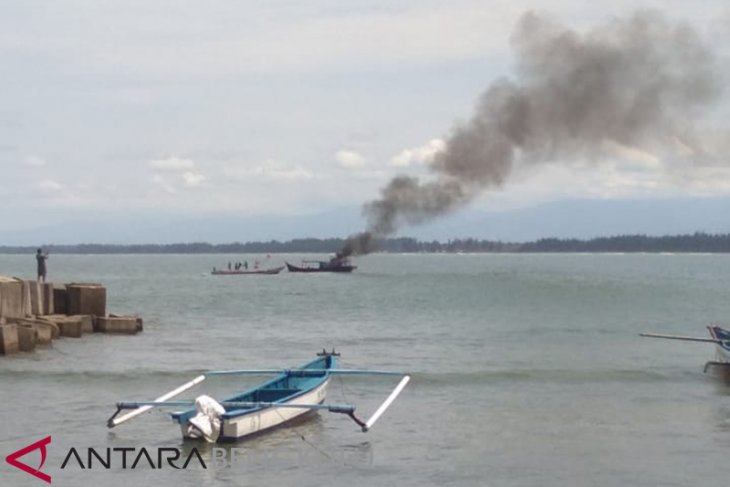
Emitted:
pixel 221 272
pixel 287 396
pixel 332 265
pixel 718 335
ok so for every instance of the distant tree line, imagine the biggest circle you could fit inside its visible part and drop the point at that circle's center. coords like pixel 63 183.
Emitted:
pixel 698 242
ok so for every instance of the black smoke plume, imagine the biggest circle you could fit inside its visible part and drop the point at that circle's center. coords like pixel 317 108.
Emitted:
pixel 636 82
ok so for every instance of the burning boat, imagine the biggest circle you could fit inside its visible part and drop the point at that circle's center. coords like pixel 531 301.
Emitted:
pixel 335 264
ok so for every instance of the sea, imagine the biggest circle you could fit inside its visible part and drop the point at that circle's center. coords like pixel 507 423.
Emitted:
pixel 527 370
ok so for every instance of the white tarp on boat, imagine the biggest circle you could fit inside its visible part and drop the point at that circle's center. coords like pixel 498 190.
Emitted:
pixel 206 424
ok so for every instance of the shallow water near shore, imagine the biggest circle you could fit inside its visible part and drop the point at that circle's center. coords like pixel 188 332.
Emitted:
pixel 527 369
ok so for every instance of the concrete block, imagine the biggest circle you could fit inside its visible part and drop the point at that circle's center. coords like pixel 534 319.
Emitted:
pixel 11 298
pixel 71 327
pixel 44 332
pixel 9 339
pixel 60 300
pixel 48 295
pixel 27 338
pixel 86 299
pixel 36 297
pixel 25 299
pixel 87 322
pixel 140 321
pixel 50 324
pixel 117 324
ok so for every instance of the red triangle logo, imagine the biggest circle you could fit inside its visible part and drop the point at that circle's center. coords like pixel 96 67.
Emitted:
pixel 12 459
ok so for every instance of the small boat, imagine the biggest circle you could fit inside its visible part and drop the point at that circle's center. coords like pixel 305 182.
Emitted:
pixel 718 335
pixel 332 265
pixel 289 395
pixel 273 270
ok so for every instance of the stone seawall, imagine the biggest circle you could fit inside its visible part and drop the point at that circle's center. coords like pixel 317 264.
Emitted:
pixel 33 314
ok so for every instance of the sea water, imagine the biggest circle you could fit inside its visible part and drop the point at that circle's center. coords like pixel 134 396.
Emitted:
pixel 527 370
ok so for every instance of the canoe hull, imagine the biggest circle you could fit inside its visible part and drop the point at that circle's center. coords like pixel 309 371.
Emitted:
pixel 254 422
pixel 293 386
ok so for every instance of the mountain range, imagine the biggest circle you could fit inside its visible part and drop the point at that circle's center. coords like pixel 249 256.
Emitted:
pixel 583 219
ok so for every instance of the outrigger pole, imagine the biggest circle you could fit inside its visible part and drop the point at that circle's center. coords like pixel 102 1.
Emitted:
pixel 386 404
pixel 114 421
pixel 679 337
pixel 300 372
pixel 334 408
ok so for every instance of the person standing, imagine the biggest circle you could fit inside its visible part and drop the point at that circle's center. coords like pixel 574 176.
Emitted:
pixel 41 258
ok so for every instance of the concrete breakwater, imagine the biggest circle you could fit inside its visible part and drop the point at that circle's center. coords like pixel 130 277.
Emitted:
pixel 34 314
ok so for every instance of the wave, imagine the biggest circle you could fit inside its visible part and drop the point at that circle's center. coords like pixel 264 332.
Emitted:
pixel 564 376
pixel 92 375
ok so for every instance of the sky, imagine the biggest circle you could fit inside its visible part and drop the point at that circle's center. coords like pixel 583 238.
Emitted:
pixel 173 111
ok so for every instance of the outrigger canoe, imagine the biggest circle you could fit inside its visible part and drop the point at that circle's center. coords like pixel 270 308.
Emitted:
pixel 718 335
pixel 273 270
pixel 289 395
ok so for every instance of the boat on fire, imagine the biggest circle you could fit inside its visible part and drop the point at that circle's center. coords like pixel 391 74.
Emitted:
pixel 336 264
pixel 291 394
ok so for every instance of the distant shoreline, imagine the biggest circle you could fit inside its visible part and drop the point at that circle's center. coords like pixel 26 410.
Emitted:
pixel 689 243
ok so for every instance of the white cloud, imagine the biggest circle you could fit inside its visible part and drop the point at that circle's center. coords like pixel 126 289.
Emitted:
pixel 633 154
pixel 184 177
pixel 163 184
pixel 185 41
pixel 641 176
pixel 172 164
pixel 419 155
pixel 192 179
pixel 49 185
pixel 350 159
pixel 269 169
pixel 35 161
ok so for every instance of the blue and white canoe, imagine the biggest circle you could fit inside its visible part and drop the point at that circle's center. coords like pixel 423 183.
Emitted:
pixel 289 395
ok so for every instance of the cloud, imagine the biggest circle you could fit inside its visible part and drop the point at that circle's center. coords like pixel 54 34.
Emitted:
pixel 179 174
pixel 163 184
pixel 49 185
pixel 192 179
pixel 34 161
pixel 270 169
pixel 156 40
pixel 633 154
pixel 350 159
pixel 419 155
pixel 172 164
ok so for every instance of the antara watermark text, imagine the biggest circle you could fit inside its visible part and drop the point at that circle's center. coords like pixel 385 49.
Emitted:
pixel 131 458
pixel 158 458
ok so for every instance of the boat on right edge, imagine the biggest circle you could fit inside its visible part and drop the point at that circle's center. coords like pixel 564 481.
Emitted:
pixel 719 336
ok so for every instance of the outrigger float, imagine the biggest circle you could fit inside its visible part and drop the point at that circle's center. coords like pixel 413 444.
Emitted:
pixel 292 393
pixel 719 336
